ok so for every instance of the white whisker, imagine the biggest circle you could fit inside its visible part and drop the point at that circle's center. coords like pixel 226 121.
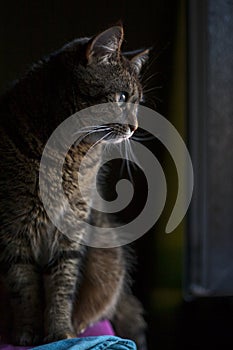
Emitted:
pixel 134 158
pixel 147 91
pixel 128 161
pixel 101 139
pixel 96 129
pixel 88 133
pixel 123 159
pixel 148 138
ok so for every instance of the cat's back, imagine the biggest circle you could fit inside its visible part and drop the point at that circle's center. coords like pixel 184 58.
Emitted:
pixel 18 168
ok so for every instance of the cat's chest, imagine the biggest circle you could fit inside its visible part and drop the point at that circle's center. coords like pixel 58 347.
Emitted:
pixel 62 217
pixel 47 240
pixel 55 206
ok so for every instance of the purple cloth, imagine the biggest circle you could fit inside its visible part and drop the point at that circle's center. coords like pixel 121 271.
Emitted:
pixel 101 328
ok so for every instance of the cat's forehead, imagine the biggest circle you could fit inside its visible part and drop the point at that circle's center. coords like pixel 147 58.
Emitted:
pixel 116 74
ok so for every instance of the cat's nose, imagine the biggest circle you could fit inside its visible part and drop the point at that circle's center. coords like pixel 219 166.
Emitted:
pixel 133 127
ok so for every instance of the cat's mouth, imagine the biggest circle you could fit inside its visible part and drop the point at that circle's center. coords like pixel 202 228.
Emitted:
pixel 119 133
pixel 110 133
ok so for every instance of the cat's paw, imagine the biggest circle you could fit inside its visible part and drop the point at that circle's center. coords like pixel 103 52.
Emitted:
pixel 81 325
pixel 59 335
pixel 80 329
pixel 26 338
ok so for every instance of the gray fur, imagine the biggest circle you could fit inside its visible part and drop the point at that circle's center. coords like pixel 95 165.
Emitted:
pixel 55 286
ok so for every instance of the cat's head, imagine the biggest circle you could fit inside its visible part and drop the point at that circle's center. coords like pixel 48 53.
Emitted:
pixel 102 73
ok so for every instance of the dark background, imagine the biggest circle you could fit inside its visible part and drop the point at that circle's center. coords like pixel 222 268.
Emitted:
pixel 32 29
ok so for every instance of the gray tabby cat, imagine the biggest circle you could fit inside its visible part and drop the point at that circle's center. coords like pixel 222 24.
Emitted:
pixel 56 285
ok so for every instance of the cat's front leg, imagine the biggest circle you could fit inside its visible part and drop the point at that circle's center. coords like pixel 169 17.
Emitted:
pixel 23 284
pixel 60 286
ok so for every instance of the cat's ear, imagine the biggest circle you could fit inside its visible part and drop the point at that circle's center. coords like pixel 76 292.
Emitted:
pixel 105 44
pixel 139 60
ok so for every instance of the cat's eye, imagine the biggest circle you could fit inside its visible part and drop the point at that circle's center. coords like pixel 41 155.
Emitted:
pixel 122 96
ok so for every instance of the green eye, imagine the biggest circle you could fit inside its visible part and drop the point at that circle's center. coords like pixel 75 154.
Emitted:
pixel 122 96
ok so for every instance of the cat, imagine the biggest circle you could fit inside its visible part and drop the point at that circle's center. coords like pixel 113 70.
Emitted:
pixel 57 286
